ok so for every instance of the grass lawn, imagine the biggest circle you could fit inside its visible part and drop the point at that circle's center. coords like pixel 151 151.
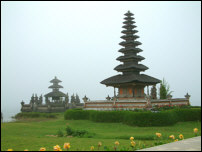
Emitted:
pixel 31 134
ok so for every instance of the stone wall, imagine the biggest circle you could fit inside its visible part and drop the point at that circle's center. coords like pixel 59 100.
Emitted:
pixel 126 104
pixel 49 107
pixel 131 104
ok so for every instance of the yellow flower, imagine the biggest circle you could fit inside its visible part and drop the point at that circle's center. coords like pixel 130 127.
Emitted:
pixel 42 149
pixel 116 143
pixel 181 136
pixel 131 138
pixel 67 145
pixel 92 148
pixel 57 148
pixel 10 150
pixel 195 130
pixel 26 150
pixel 158 135
pixel 133 143
pixel 176 139
pixel 99 144
pixel 172 137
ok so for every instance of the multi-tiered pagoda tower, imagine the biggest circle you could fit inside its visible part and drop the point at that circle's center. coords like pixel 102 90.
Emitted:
pixel 131 82
pixel 55 94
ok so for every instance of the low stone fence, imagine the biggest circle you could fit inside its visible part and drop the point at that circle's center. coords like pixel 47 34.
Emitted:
pixel 50 107
pixel 175 101
pixel 131 104
pixel 26 108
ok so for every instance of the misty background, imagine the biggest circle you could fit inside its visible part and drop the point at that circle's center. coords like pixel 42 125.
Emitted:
pixel 78 43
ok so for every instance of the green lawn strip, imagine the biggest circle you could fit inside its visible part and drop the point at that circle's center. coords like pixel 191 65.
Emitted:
pixel 113 130
pixel 34 144
pixel 32 134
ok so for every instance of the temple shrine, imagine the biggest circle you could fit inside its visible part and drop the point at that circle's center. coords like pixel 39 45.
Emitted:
pixel 55 95
pixel 55 101
pixel 131 82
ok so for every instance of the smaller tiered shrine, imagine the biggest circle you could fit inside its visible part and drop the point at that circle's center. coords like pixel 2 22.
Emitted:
pixel 55 101
pixel 56 95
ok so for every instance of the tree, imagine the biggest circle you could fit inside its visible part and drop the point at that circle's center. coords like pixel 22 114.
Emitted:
pixel 73 99
pixel 164 91
pixel 67 98
pixel 77 99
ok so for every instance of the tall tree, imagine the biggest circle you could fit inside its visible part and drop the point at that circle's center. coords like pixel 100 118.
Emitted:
pixel 67 98
pixel 73 99
pixel 164 91
pixel 77 99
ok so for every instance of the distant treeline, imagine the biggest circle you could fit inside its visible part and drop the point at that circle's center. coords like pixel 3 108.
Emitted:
pixel 74 98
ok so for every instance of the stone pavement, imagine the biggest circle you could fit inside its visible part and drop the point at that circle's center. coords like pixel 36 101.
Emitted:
pixel 191 144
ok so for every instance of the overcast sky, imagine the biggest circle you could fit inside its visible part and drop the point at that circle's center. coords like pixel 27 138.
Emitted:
pixel 78 43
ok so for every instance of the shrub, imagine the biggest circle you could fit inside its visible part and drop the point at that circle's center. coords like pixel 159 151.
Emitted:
pixel 169 107
pixel 163 118
pixel 76 114
pixel 144 118
pixel 135 118
pixel 69 131
pixel 107 116
pixel 195 106
pixel 78 133
pixel 147 118
pixel 60 133
pixel 77 109
pixel 34 115
pixel 193 114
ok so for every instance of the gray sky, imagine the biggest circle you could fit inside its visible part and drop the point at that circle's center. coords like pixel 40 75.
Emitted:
pixel 78 43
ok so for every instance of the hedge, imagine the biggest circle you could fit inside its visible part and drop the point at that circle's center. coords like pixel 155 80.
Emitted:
pixel 193 114
pixel 77 114
pixel 164 118
pixel 148 118
pixel 35 115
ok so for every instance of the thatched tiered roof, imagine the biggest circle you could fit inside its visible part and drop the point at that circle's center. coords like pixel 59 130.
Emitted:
pixel 130 68
pixel 55 87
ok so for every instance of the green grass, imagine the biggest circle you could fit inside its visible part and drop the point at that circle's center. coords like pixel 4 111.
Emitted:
pixel 30 133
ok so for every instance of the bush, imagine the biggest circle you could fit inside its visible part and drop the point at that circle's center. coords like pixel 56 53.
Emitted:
pixel 34 115
pixel 69 131
pixel 106 116
pixel 169 107
pixel 163 118
pixel 60 133
pixel 195 106
pixel 145 118
pixel 193 114
pixel 78 133
pixel 76 114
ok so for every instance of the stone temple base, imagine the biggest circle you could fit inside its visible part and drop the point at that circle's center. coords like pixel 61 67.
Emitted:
pixel 132 104
pixel 50 108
